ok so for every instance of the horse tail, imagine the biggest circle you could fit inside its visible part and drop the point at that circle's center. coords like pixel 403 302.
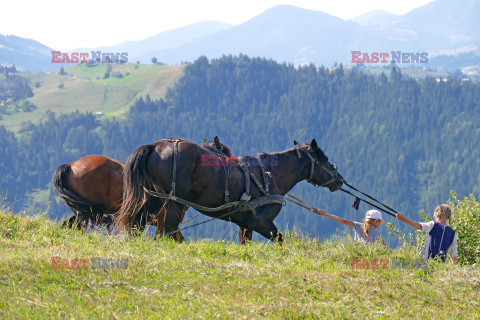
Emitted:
pixel 85 209
pixel 135 177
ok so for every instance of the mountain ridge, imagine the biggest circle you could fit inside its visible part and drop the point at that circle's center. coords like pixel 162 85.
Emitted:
pixel 291 34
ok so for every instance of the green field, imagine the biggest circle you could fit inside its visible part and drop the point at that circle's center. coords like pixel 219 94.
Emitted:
pixel 303 279
pixel 415 73
pixel 84 89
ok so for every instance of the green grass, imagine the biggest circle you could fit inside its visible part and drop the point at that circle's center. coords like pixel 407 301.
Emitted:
pixel 84 92
pixel 416 73
pixel 303 279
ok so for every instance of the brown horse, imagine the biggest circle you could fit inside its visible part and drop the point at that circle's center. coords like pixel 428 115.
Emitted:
pixel 92 187
pixel 151 166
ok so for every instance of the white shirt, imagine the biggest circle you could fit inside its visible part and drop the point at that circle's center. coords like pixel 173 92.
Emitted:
pixel 360 236
pixel 452 250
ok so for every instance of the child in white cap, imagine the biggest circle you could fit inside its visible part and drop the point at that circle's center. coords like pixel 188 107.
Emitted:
pixel 363 231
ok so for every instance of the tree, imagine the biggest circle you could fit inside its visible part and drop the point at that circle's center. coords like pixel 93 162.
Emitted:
pixel 154 60
pixel 62 72
pixel 466 222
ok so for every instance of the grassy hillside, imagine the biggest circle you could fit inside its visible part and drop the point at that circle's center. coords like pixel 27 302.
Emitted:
pixel 415 73
pixel 304 279
pixel 84 88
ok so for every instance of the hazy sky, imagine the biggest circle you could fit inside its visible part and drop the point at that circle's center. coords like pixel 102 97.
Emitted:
pixel 65 25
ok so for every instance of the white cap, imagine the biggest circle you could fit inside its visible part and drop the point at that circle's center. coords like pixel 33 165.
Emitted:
pixel 374 214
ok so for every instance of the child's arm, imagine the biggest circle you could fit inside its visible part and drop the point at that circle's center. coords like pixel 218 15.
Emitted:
pixel 452 250
pixel 338 219
pixel 414 224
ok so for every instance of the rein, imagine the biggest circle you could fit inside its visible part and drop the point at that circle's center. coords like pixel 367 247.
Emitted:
pixel 246 203
pixel 357 200
pixel 334 175
pixel 356 203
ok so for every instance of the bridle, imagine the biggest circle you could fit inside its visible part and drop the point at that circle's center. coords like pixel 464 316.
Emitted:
pixel 333 173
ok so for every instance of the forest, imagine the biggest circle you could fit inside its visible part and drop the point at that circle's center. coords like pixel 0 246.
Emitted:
pixel 407 142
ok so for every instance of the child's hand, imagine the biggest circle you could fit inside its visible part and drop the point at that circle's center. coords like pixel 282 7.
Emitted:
pixel 400 216
pixel 321 212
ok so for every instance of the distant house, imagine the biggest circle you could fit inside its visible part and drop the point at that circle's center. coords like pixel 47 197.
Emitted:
pixel 99 114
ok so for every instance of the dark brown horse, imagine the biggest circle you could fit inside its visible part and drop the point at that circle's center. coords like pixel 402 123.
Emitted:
pixel 151 166
pixel 92 187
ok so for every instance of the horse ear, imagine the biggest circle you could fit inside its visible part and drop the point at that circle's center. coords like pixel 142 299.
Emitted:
pixel 295 143
pixel 205 140
pixel 217 142
pixel 313 144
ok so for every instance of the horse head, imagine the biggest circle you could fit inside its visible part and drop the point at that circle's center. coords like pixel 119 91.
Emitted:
pixel 321 173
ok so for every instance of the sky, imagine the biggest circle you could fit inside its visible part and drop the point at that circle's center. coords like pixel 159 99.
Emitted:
pixel 64 25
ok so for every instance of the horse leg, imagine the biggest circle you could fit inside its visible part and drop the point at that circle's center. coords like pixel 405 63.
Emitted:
pixel 161 219
pixel 172 219
pixel 244 235
pixel 141 220
pixel 69 222
pixel 268 229
pixel 262 222
pixel 180 237
pixel 77 222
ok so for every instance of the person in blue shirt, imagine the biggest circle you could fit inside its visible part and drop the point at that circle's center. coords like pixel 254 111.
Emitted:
pixel 441 238
pixel 366 232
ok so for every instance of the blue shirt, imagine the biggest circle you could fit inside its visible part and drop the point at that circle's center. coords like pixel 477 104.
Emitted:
pixel 440 238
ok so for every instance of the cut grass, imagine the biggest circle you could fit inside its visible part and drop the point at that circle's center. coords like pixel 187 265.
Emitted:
pixel 303 279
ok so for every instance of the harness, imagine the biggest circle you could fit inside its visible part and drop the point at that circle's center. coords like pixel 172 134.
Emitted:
pixel 246 203
pixel 333 173
pixel 175 156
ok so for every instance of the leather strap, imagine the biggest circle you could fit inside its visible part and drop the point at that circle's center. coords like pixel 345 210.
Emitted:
pixel 175 156
pixel 264 175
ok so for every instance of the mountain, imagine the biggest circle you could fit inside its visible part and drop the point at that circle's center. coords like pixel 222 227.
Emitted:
pixel 375 17
pixel 455 19
pixel 32 56
pixel 300 36
pixel 468 63
pixel 25 54
pixel 142 49
pixel 440 27
pixel 284 33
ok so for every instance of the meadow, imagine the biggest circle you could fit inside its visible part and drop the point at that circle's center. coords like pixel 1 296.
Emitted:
pixel 143 278
pixel 85 88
